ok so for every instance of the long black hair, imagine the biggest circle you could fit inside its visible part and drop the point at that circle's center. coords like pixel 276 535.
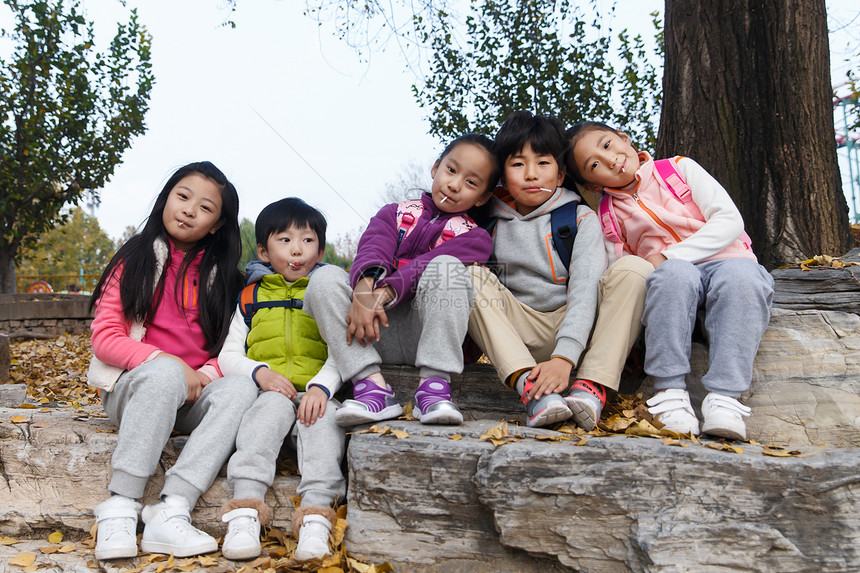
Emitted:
pixel 221 252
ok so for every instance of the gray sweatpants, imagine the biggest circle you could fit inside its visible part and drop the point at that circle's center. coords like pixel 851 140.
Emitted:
pixel 320 448
pixel 426 332
pixel 736 294
pixel 148 402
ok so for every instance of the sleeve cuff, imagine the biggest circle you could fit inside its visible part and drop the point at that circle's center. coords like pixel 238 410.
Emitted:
pixel 321 387
pixel 254 375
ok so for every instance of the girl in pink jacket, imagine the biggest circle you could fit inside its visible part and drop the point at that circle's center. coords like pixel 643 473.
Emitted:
pixel 702 259
pixel 162 312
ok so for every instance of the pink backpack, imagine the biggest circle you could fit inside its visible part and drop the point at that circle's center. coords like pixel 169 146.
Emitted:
pixel 671 181
pixel 408 213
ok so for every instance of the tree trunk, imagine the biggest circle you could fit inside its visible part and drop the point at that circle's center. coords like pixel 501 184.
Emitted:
pixel 7 269
pixel 747 95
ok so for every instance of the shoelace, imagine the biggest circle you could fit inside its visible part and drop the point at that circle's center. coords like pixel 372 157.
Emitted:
pixel 242 525
pixel 118 525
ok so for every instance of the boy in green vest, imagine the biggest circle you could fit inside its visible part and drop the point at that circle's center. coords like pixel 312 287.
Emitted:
pixel 278 345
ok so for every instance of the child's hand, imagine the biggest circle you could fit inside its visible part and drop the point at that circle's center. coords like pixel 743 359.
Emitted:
pixel 194 379
pixel 271 381
pixel 550 377
pixel 312 405
pixel 656 260
pixel 367 312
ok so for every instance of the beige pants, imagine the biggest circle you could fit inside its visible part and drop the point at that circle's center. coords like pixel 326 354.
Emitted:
pixel 621 301
pixel 512 335
pixel 516 337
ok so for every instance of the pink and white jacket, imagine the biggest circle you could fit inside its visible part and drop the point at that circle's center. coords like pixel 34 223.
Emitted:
pixel 120 344
pixel 652 221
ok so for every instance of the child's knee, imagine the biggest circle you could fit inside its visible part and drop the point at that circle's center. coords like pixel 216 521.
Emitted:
pixel 236 390
pixel 676 273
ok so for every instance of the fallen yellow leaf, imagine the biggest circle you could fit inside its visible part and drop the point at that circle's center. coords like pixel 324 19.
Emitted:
pixel 55 537
pixel 456 437
pixel 23 559
pixel 67 549
pixel 49 549
pixel 6 540
pixel 400 434
pixel 19 419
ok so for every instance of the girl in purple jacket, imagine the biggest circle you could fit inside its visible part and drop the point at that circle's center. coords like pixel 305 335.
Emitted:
pixel 409 276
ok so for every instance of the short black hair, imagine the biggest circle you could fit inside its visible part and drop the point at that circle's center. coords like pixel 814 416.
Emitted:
pixel 281 215
pixel 545 134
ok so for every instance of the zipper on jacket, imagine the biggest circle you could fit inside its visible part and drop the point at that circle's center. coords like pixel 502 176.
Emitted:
pixel 654 216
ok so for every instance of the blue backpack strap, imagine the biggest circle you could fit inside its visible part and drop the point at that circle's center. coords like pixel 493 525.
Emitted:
pixel 563 222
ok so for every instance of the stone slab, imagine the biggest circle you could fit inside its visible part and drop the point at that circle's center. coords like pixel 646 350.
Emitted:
pixel 617 504
pixel 55 468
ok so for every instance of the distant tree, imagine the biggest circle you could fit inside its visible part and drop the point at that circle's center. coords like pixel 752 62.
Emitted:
pixel 346 244
pixel 409 183
pixel 79 246
pixel 67 113
pixel 128 233
pixel 488 58
pixel 332 257
pixel 249 243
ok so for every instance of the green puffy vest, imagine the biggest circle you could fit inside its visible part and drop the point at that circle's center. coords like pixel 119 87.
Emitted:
pixel 287 339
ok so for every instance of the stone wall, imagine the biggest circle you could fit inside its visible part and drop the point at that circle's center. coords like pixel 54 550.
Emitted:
pixel 38 315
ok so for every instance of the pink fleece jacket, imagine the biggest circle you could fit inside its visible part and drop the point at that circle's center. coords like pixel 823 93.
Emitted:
pixel 175 328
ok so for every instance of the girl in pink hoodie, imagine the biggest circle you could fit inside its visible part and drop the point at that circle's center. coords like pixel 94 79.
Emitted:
pixel 162 312
pixel 702 259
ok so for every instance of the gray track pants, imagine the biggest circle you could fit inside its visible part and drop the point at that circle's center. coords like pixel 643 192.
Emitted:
pixel 320 449
pixel 148 402
pixel 736 295
pixel 426 332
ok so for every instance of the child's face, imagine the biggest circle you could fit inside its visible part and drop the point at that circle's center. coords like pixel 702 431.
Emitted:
pixel 528 174
pixel 461 178
pixel 606 159
pixel 192 211
pixel 292 252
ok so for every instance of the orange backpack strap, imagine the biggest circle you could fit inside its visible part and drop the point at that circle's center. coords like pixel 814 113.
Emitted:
pixel 247 298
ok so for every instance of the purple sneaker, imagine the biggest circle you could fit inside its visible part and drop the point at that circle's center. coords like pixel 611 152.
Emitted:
pixel 370 403
pixel 433 403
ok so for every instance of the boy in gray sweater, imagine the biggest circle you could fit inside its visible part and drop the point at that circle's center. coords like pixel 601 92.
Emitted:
pixel 533 317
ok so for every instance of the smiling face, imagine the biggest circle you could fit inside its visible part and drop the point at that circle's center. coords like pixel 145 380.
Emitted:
pixel 461 178
pixel 292 252
pixel 606 159
pixel 192 210
pixel 527 173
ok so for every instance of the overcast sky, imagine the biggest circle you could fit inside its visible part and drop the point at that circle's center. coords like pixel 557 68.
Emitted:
pixel 285 108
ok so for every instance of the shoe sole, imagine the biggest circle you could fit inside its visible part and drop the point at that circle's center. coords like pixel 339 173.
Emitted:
pixel 355 417
pixel 583 415
pixel 116 553
pixel 694 430
pixel 557 412
pixel 724 433
pixel 241 554
pixel 445 417
pixel 167 548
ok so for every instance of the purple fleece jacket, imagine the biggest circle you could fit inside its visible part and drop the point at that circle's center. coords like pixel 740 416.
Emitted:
pixel 376 248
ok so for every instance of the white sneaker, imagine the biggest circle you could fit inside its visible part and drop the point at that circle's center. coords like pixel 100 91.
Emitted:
pixel 313 538
pixel 724 417
pixel 169 530
pixel 673 409
pixel 243 534
pixel 117 532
